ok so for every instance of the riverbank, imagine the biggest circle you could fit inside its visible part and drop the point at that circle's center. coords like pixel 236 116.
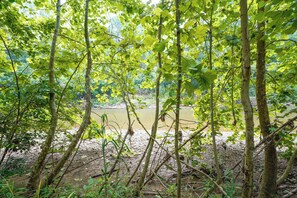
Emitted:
pixel 88 163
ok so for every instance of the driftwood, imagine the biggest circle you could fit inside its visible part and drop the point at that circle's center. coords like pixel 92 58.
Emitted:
pixel 107 173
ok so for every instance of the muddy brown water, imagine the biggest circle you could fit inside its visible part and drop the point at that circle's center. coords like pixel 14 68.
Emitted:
pixel 118 117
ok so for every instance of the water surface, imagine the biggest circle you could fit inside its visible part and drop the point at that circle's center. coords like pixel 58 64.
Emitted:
pixel 146 115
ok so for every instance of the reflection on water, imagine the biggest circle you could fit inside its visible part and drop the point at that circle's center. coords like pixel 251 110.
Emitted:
pixel 146 116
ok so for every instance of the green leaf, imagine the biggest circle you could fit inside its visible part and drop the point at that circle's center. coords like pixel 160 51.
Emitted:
pixel 159 47
pixel 261 4
pixel 260 16
pixel 201 30
pixel 203 82
pixel 168 104
pixel 189 24
pixel 165 13
pixel 157 11
pixel 149 40
pixel 191 86
pixel 196 69
pixel 188 63
pixel 168 77
pixel 210 75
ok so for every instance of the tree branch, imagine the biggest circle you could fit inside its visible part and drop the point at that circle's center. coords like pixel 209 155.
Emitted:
pixel 16 80
pixel 281 40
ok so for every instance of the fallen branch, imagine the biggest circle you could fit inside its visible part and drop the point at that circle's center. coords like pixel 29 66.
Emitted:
pixel 290 194
pixel 168 156
pixel 153 193
pixel 75 168
pixel 107 173
pixel 189 166
pixel 268 138
pixel 206 175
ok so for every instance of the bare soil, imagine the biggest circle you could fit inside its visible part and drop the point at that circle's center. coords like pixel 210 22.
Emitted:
pixel 88 163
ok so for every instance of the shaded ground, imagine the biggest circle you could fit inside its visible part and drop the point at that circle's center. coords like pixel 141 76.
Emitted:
pixel 88 163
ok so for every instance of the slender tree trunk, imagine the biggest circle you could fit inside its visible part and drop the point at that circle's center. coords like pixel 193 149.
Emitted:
pixel 156 120
pixel 232 86
pixel 213 132
pixel 87 116
pixel 3 155
pixel 246 103
pixel 178 98
pixel 37 169
pixel 268 186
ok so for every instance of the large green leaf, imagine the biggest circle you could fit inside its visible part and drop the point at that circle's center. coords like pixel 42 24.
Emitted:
pixel 159 47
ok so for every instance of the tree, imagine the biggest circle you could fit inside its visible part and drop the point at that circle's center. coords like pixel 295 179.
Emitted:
pixel 36 171
pixel 178 97
pixel 213 132
pixel 18 116
pixel 86 120
pixel 246 103
pixel 157 111
pixel 185 52
pixel 268 184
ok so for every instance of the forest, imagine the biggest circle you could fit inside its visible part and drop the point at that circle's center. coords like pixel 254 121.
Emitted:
pixel 148 98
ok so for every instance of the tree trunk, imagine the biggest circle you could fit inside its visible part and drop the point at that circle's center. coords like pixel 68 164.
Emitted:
pixel 246 103
pixel 87 116
pixel 178 94
pixel 37 169
pixel 213 132
pixel 268 186
pixel 156 120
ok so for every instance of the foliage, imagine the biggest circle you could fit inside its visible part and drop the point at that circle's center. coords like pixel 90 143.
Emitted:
pixel 7 189
pixel 113 190
pixel 13 167
pixel 124 46
pixel 230 185
pixel 171 190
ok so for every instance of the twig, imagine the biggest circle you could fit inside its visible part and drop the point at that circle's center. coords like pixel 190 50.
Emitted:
pixel 270 136
pixel 279 40
pixel 69 164
pixel 75 168
pixel 16 78
pixel 71 39
pixel 11 135
pixel 169 156
pixel 291 193
pixel 206 175
pixel 164 185
pixel 66 86
pixel 201 172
